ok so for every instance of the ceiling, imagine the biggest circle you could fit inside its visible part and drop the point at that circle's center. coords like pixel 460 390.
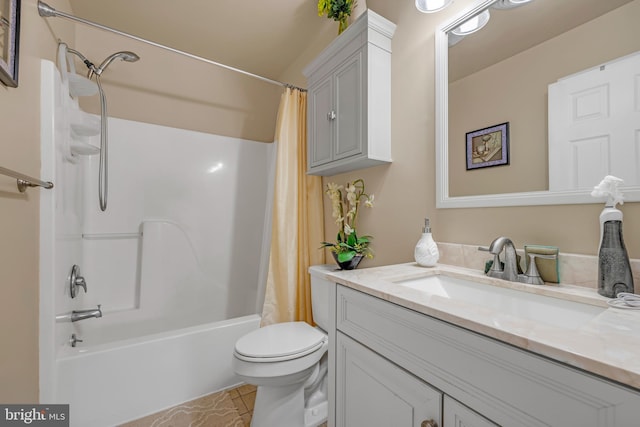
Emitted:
pixel 265 37
pixel 261 37
pixel 515 30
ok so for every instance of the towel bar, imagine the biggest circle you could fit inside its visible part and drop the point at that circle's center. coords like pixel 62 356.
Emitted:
pixel 24 181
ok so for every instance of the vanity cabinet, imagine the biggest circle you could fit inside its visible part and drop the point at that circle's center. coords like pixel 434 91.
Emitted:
pixel 372 391
pixel 349 99
pixel 395 366
pixel 455 414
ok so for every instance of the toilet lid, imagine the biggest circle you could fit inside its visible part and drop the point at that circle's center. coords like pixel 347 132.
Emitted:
pixel 280 341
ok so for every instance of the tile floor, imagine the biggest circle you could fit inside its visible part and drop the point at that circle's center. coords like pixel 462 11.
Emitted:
pixel 214 410
pixel 243 398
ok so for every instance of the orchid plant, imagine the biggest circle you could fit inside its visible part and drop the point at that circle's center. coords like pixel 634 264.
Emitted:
pixel 338 10
pixel 346 203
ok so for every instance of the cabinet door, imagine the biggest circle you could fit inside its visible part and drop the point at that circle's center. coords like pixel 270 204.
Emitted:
pixel 371 391
pixel 321 116
pixel 349 107
pixel 455 414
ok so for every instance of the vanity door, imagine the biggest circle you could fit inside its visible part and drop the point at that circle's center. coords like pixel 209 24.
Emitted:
pixel 455 414
pixel 371 391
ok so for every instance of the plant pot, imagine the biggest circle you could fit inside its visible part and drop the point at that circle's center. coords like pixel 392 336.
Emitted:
pixel 343 24
pixel 348 265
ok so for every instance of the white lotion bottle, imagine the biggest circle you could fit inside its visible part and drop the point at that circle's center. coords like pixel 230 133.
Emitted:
pixel 426 252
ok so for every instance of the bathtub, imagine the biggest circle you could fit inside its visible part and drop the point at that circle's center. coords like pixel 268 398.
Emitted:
pixel 177 262
pixel 107 389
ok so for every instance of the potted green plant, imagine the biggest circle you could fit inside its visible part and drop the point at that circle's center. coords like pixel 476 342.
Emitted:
pixel 349 248
pixel 338 10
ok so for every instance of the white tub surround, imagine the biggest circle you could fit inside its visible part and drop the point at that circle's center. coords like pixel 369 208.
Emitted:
pixel 176 261
pixel 607 345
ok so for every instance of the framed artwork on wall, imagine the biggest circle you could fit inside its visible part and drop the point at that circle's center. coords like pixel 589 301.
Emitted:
pixel 488 147
pixel 9 41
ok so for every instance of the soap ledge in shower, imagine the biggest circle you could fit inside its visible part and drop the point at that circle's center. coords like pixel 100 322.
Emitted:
pixel 81 148
pixel 84 124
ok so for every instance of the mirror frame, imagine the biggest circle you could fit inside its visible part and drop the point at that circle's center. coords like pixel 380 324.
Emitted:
pixel 443 199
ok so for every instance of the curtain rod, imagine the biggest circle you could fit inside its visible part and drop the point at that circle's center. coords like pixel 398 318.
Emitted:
pixel 47 11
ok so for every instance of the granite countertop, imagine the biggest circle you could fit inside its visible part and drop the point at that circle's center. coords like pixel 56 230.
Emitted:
pixel 607 344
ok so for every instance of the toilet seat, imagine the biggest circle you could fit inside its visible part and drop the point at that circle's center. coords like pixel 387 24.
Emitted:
pixel 279 342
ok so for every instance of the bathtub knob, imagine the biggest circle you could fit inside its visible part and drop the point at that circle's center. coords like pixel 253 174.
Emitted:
pixel 74 340
pixel 75 280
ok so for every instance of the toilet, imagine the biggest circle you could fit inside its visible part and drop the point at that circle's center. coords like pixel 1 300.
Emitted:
pixel 288 363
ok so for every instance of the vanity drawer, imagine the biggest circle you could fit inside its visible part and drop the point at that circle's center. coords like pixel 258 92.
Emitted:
pixel 506 384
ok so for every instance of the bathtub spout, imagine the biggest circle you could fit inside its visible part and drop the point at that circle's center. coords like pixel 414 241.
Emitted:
pixel 85 314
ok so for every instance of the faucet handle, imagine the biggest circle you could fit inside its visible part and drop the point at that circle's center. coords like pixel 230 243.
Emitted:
pixel 532 275
pixel 75 281
pixel 496 264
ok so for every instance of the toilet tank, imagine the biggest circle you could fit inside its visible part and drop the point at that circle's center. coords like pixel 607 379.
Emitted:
pixel 320 296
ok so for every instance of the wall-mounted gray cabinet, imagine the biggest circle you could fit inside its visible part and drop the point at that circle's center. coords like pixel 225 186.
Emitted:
pixel 349 99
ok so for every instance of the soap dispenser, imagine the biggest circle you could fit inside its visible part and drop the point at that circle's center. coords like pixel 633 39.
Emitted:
pixel 614 269
pixel 426 252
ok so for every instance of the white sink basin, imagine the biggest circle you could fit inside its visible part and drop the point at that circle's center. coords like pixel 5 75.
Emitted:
pixel 538 308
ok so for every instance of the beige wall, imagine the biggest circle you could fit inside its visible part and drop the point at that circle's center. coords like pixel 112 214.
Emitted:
pixel 20 151
pixel 488 98
pixel 173 90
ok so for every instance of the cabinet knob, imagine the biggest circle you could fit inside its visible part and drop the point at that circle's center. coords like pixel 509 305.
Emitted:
pixel 429 423
pixel 331 115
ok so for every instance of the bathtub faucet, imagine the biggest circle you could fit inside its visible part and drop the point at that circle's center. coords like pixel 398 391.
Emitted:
pixel 85 314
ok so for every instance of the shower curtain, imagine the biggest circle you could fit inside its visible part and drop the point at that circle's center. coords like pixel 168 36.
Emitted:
pixel 298 223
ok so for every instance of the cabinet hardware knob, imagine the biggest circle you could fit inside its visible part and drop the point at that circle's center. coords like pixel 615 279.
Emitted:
pixel 429 423
pixel 331 115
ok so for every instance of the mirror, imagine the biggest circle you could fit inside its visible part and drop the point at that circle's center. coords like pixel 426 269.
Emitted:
pixel 466 103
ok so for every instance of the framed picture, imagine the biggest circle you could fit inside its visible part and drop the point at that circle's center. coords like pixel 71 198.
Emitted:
pixel 488 147
pixel 9 41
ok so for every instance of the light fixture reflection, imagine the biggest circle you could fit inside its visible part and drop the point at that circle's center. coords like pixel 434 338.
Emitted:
pixel 453 39
pixel 509 4
pixel 473 24
pixel 430 6
pixel 215 168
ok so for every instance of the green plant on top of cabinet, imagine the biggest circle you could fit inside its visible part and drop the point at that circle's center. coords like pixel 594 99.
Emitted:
pixel 349 99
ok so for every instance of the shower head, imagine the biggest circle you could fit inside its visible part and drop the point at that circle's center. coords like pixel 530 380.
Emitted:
pixel 83 58
pixel 124 55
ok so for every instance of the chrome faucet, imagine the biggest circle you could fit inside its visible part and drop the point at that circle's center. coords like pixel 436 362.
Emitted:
pixel 85 314
pixel 510 269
